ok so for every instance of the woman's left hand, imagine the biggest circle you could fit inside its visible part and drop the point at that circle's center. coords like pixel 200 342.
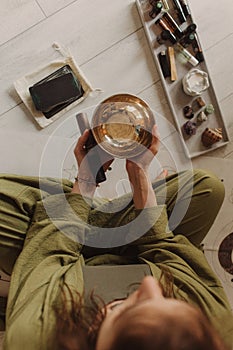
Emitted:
pixel 144 159
pixel 137 169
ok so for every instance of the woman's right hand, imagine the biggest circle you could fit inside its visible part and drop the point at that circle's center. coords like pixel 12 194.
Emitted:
pixel 80 153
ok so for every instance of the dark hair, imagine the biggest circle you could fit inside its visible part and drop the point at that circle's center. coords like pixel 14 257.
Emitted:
pixel 78 324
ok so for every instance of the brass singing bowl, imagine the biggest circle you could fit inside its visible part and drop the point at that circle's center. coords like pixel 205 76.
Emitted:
pixel 122 125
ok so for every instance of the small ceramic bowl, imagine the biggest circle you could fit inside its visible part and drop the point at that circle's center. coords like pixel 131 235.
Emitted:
pixel 195 82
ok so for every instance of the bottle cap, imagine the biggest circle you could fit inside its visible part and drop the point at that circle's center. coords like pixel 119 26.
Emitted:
pixel 165 35
pixel 191 28
pixel 191 36
pixel 187 39
pixel 194 62
pixel 159 5
pixel 156 8
pixel 199 56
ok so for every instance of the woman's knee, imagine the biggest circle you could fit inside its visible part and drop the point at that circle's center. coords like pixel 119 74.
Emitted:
pixel 208 182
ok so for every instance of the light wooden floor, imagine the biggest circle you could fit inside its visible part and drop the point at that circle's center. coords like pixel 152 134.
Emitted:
pixel 109 44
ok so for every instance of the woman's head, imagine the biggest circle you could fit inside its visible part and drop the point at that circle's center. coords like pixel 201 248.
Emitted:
pixel 146 320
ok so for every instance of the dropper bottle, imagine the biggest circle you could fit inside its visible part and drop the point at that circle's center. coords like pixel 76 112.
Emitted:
pixel 186 55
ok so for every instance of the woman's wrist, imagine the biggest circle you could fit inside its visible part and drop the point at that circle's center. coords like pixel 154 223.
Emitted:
pixel 143 193
pixel 84 186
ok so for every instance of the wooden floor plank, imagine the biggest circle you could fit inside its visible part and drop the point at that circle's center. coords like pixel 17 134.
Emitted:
pixel 214 20
pixel 219 58
pixel 52 6
pixel 18 16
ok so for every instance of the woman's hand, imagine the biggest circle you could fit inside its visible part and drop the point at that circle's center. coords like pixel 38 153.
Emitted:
pixel 144 159
pixel 80 153
pixel 86 178
pixel 137 169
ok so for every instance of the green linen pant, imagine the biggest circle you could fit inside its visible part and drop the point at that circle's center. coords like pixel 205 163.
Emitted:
pixel 193 199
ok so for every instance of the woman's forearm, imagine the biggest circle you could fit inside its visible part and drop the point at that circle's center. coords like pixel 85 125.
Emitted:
pixel 143 193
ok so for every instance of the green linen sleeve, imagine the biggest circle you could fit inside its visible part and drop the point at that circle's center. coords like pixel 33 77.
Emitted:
pixel 51 257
